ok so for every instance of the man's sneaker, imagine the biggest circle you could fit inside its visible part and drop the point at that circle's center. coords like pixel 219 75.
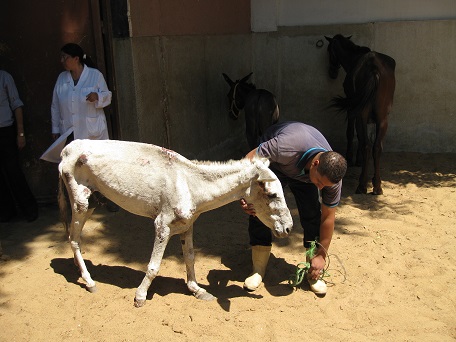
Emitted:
pixel 318 286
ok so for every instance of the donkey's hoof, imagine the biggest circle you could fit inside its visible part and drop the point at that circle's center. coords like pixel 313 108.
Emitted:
pixel 92 289
pixel 377 191
pixel 139 302
pixel 203 295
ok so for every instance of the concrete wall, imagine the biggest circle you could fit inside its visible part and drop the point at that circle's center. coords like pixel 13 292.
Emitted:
pixel 424 114
pixel 177 96
pixel 169 74
pixel 177 17
pixel 424 111
pixel 268 15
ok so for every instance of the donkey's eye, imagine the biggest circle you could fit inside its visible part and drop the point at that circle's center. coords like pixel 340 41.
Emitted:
pixel 272 196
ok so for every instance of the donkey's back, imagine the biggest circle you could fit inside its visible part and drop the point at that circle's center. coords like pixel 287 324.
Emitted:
pixel 107 166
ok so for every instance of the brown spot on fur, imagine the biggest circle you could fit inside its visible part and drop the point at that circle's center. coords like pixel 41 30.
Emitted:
pixel 180 217
pixel 170 154
pixel 143 161
pixel 67 175
pixel 81 160
pixel 65 152
pixel 81 207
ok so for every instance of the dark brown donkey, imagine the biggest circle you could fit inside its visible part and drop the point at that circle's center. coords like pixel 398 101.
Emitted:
pixel 260 107
pixel 369 90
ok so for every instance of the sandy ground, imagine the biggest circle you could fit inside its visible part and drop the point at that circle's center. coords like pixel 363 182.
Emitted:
pixel 392 265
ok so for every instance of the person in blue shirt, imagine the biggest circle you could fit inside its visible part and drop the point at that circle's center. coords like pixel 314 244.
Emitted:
pixel 303 160
pixel 14 190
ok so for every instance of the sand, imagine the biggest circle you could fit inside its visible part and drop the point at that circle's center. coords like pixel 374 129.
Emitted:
pixel 392 272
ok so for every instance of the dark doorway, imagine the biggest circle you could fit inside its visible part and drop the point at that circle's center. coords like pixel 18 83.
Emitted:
pixel 31 35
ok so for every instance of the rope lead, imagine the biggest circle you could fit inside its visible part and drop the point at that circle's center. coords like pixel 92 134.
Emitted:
pixel 303 267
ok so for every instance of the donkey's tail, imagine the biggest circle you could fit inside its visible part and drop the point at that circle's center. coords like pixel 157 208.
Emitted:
pixel 364 86
pixel 63 204
pixel 342 104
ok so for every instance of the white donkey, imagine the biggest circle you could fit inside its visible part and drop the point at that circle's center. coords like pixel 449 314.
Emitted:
pixel 155 182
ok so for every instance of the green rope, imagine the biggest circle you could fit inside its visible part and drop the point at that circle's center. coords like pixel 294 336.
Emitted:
pixel 298 277
pixel 303 267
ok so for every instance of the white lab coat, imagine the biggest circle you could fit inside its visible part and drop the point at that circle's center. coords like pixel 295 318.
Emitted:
pixel 71 111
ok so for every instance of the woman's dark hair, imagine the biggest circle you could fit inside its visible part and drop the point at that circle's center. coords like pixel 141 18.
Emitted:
pixel 74 50
pixel 333 166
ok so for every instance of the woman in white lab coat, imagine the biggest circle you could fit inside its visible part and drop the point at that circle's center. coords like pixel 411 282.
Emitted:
pixel 80 94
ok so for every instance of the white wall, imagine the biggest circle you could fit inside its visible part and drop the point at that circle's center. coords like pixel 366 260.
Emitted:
pixel 267 15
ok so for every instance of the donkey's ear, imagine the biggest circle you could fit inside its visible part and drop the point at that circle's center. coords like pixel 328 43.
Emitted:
pixel 328 39
pixel 262 160
pixel 264 173
pixel 349 37
pixel 245 78
pixel 227 79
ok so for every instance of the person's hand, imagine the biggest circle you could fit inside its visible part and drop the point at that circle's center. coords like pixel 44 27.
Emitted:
pixel 317 266
pixel 92 97
pixel 247 207
pixel 20 142
pixel 55 136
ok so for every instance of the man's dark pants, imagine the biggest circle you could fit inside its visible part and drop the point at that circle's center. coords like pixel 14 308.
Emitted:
pixel 13 185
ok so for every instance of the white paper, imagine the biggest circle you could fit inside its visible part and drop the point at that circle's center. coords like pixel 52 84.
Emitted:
pixel 52 154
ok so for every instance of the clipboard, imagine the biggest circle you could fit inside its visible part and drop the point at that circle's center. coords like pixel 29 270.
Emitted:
pixel 52 154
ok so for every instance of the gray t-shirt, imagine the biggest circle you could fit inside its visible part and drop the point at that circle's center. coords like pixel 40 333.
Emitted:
pixel 289 146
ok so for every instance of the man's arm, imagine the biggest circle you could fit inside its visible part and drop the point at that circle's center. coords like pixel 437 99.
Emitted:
pixel 251 154
pixel 328 218
pixel 18 113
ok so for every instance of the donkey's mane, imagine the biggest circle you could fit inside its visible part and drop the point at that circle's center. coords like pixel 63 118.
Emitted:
pixel 349 45
pixel 248 84
pixel 216 162
pixel 232 164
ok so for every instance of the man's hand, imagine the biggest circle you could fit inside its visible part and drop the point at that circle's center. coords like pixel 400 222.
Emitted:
pixel 317 266
pixel 247 207
pixel 20 142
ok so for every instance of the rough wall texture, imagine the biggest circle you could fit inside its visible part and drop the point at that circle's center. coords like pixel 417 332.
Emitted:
pixel 177 17
pixel 424 114
pixel 179 93
pixel 180 96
